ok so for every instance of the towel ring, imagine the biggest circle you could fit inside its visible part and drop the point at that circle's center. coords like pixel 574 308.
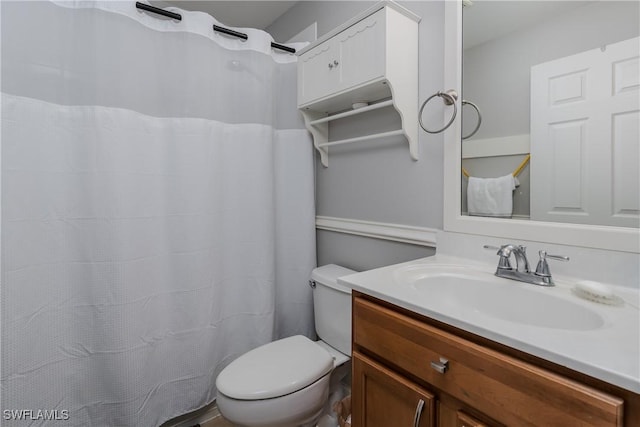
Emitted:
pixel 475 107
pixel 449 97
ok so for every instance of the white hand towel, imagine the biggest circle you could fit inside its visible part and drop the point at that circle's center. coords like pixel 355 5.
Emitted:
pixel 491 196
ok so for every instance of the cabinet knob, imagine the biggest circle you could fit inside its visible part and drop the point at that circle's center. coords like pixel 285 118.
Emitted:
pixel 336 63
pixel 330 65
pixel 441 366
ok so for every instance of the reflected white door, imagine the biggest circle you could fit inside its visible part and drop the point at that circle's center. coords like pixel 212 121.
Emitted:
pixel 585 140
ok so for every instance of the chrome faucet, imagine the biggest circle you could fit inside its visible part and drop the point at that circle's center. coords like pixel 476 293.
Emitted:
pixel 522 272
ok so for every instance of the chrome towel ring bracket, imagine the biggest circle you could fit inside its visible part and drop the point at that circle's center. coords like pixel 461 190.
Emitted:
pixel 475 107
pixel 449 97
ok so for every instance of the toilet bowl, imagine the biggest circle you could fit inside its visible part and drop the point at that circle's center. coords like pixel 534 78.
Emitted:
pixel 285 383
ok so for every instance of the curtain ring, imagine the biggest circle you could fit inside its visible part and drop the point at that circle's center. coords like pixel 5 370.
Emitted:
pixel 449 97
pixel 464 102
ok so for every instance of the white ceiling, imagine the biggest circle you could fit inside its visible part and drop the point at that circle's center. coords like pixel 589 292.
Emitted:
pixel 486 19
pixel 483 21
pixel 238 13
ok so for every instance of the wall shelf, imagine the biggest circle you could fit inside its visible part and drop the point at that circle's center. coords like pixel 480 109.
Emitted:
pixel 373 58
pixel 372 107
pixel 362 138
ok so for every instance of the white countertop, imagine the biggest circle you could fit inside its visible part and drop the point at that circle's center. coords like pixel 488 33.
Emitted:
pixel 610 353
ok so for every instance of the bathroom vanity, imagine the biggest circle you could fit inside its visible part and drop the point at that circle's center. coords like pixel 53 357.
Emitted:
pixel 424 359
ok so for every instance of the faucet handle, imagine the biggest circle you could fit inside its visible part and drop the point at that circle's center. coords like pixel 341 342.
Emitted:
pixel 503 263
pixel 558 257
pixel 504 250
pixel 543 267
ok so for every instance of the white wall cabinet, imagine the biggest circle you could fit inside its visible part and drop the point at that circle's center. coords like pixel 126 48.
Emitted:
pixel 373 58
pixel 354 56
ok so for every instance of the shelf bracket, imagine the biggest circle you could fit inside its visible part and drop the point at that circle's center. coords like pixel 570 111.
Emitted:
pixel 319 132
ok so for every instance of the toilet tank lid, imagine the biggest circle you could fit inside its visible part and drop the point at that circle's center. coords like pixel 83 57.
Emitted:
pixel 328 276
pixel 275 369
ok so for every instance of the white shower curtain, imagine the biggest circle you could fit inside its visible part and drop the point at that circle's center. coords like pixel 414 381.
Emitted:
pixel 157 210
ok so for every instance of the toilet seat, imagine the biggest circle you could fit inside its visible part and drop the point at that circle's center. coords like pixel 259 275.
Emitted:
pixel 276 369
pixel 291 410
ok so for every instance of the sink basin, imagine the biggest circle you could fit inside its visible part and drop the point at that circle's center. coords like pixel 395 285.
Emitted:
pixel 464 290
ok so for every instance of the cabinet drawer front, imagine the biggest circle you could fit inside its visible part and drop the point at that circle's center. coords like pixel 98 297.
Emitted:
pixel 509 390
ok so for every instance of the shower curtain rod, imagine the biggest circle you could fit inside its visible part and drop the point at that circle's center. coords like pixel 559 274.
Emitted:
pixel 216 28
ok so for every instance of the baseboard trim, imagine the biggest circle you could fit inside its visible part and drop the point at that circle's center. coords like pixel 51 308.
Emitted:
pixel 421 236
pixel 201 416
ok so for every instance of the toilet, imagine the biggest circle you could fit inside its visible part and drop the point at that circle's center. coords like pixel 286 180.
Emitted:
pixel 286 383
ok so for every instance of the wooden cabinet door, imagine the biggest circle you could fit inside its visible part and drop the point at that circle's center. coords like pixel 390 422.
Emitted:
pixel 382 398
pixel 453 416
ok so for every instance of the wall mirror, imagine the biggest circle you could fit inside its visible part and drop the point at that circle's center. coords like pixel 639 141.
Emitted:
pixel 557 85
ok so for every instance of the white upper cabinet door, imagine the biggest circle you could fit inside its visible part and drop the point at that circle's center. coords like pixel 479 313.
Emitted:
pixel 316 72
pixel 362 51
pixel 584 137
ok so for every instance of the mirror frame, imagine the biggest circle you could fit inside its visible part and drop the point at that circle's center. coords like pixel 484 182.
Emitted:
pixel 592 236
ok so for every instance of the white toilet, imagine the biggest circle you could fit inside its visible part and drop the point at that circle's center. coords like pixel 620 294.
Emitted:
pixel 286 383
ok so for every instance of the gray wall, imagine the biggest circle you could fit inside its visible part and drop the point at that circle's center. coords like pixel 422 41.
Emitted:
pixel 378 181
pixel 362 253
pixel 328 15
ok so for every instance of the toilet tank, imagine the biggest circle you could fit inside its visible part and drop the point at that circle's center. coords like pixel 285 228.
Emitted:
pixel 332 307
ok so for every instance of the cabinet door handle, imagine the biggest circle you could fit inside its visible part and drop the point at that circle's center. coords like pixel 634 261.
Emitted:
pixel 441 366
pixel 416 417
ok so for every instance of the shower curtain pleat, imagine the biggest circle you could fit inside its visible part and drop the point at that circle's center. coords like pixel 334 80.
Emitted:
pixel 157 210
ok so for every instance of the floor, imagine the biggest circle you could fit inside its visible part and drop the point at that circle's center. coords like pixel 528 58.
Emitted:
pixel 217 422
pixel 209 413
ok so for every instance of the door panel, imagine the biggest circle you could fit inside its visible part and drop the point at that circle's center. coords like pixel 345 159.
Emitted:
pixel 584 137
